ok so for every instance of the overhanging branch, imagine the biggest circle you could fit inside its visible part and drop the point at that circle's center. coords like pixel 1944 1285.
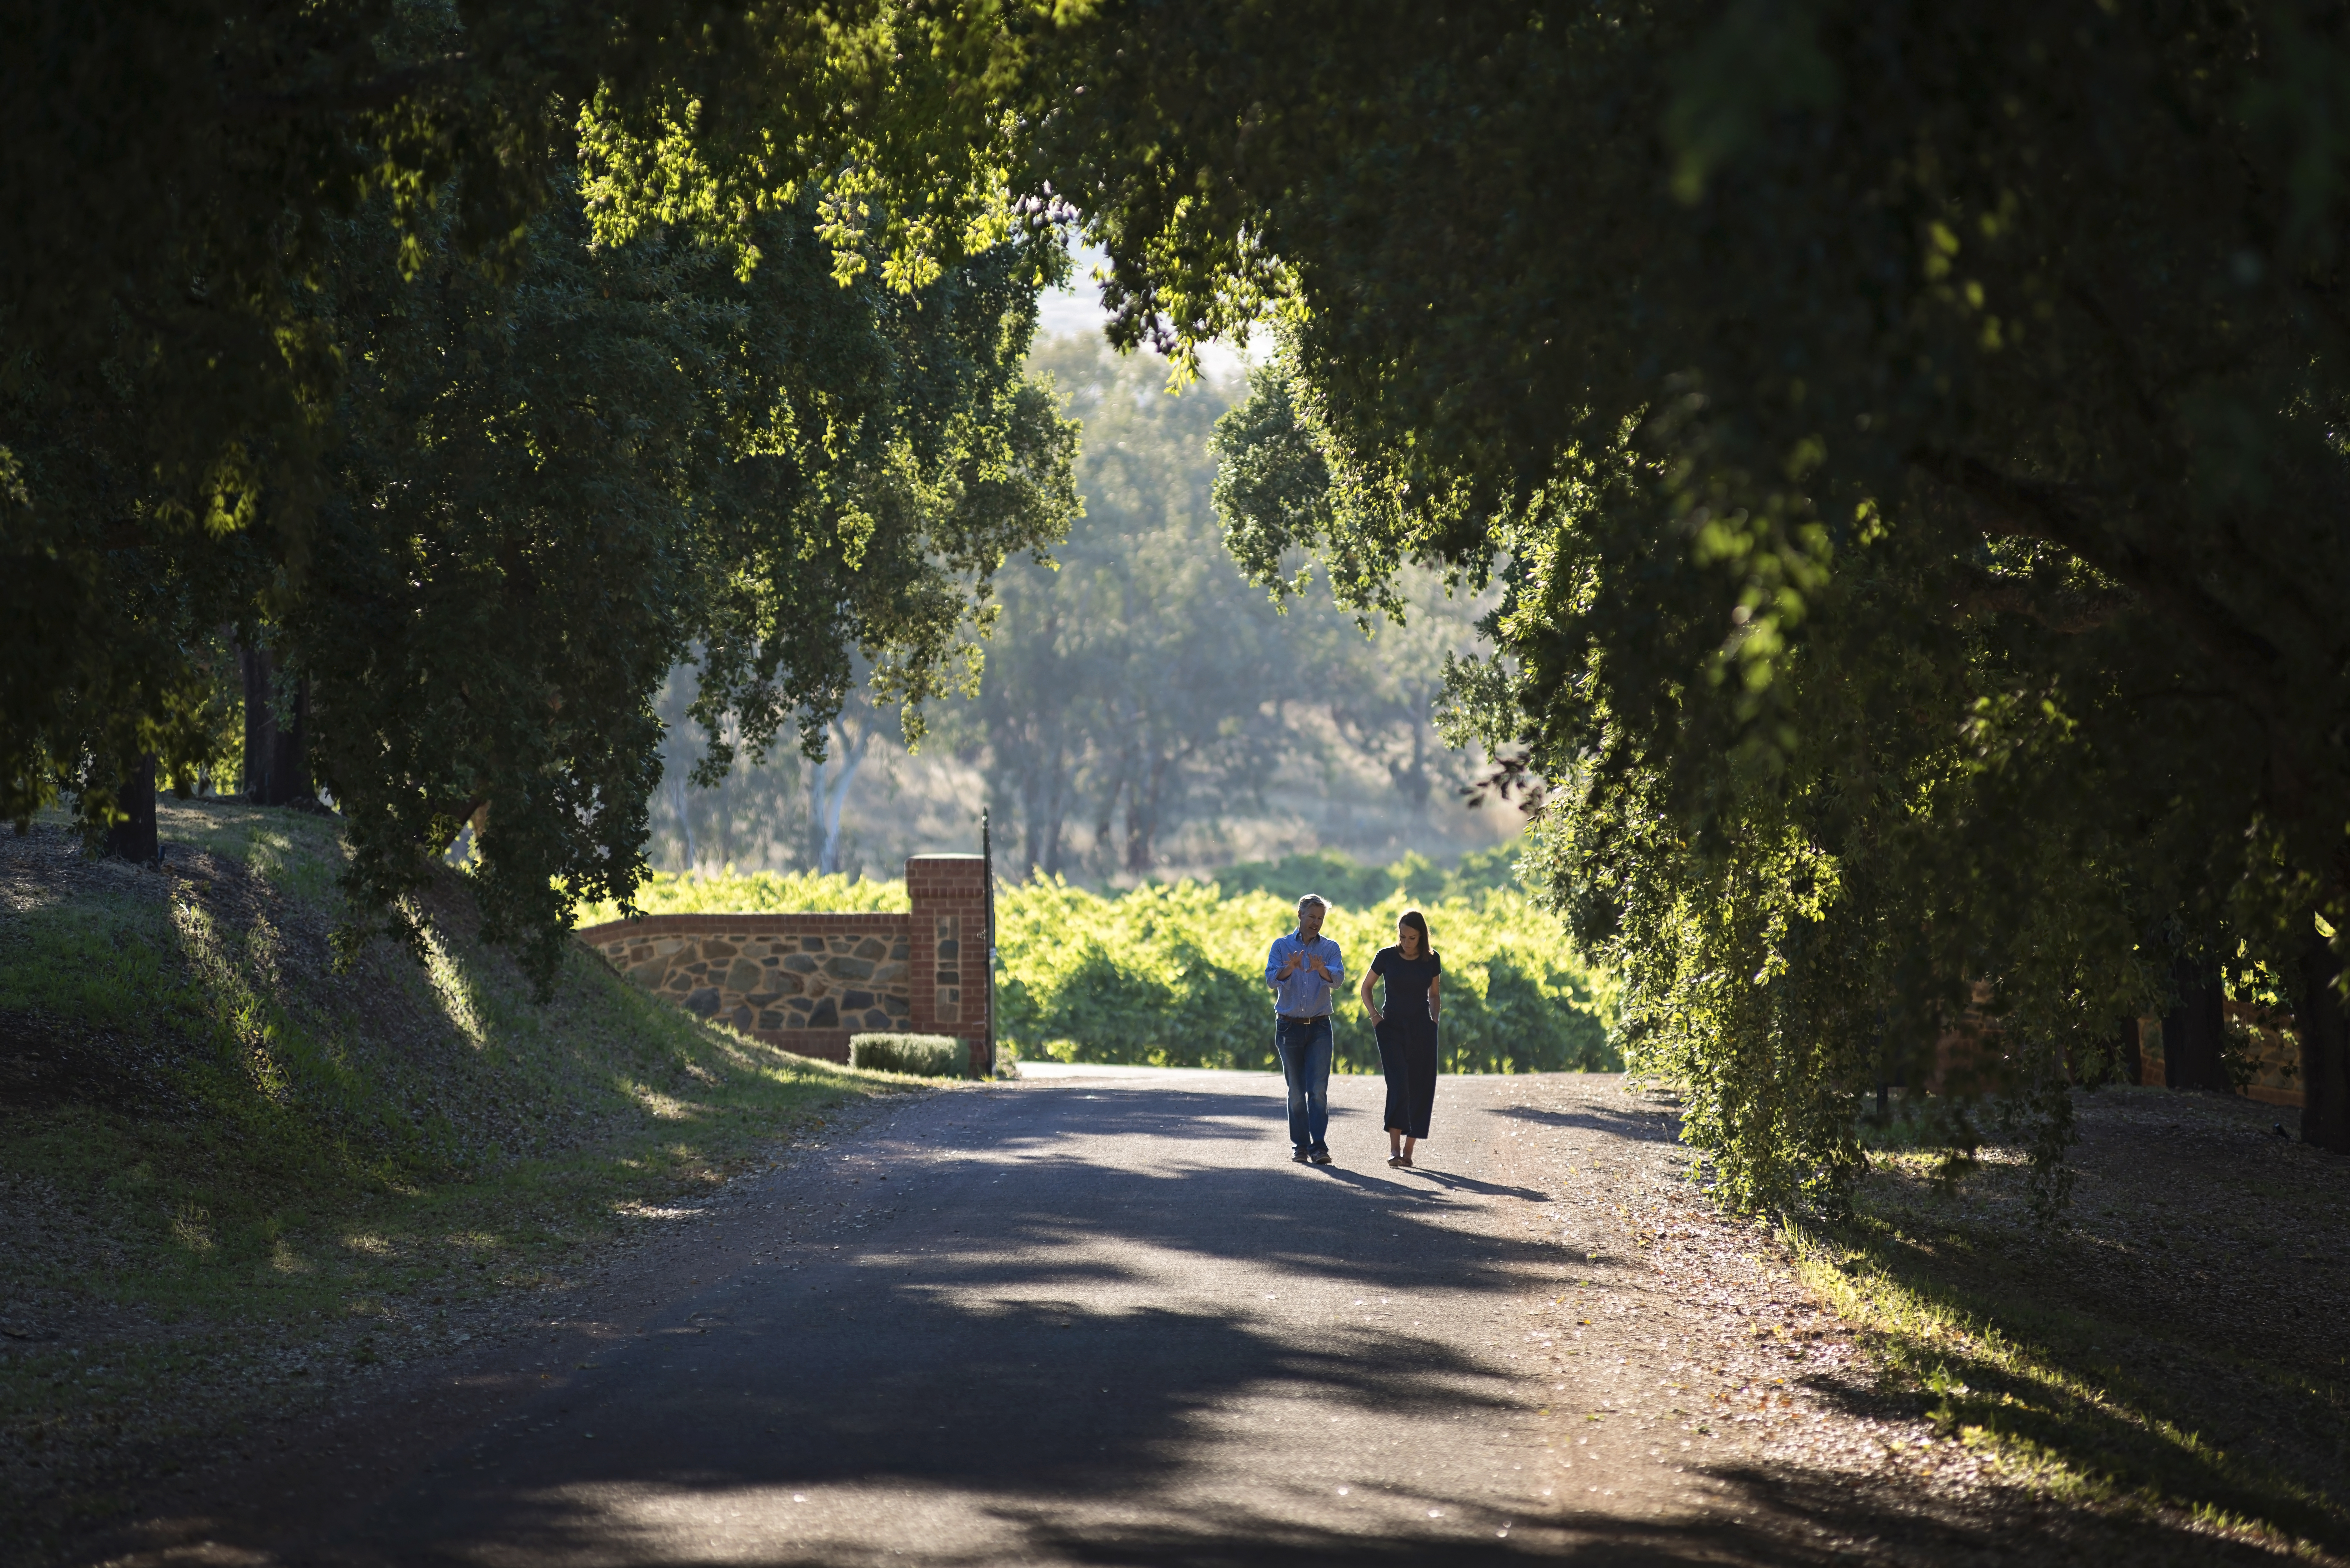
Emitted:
pixel 379 92
pixel 2072 517
pixel 2064 610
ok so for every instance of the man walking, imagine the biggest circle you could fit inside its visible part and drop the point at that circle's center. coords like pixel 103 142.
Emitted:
pixel 1302 968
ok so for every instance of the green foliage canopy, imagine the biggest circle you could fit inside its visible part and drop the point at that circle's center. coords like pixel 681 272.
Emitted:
pixel 483 360
pixel 1910 437
pixel 554 484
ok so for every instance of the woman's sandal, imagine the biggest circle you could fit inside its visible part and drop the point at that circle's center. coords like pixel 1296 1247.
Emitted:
pixel 1398 1160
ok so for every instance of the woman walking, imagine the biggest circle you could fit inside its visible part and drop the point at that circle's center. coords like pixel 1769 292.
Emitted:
pixel 1406 1028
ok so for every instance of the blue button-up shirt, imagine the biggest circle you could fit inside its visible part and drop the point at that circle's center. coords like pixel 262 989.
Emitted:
pixel 1303 995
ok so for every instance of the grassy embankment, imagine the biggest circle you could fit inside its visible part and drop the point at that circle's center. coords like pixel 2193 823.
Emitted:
pixel 1173 975
pixel 232 1178
pixel 2173 1344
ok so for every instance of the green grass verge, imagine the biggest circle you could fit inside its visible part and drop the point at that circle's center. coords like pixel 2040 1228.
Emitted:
pixel 225 1167
pixel 2132 1358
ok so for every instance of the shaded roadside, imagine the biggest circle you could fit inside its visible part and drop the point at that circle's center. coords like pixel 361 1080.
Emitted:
pixel 2117 1385
pixel 1085 1321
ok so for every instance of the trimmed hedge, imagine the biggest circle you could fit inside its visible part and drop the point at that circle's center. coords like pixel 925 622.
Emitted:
pixel 921 1055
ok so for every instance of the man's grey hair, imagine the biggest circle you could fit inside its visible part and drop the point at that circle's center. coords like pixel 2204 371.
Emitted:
pixel 1314 899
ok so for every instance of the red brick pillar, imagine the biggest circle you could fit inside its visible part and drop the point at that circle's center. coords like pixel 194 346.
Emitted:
pixel 948 897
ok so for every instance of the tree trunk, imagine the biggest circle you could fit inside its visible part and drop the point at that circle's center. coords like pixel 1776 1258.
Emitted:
pixel 1045 788
pixel 1104 850
pixel 1031 797
pixel 831 798
pixel 682 803
pixel 2194 1031
pixel 1415 782
pixel 1142 808
pixel 134 838
pixel 277 755
pixel 290 769
pixel 1050 811
pixel 1057 817
pixel 2317 1017
pixel 2131 1053
pixel 260 722
pixel 1138 831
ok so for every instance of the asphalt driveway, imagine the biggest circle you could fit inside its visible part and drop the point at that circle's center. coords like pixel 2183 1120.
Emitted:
pixel 1096 1318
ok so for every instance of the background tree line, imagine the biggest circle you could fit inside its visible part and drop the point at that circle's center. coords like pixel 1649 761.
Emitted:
pixel 1142 709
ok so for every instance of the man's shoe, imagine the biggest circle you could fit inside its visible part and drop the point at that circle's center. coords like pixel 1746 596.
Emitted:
pixel 1321 1157
pixel 1299 1157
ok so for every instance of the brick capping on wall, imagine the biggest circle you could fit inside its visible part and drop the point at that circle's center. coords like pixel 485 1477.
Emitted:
pixel 806 982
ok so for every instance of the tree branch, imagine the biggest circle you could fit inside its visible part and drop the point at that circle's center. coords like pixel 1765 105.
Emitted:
pixel 343 98
pixel 2068 612
pixel 2004 506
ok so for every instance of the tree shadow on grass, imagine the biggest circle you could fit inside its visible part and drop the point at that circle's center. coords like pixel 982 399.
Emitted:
pixel 2130 1344
pixel 2187 1423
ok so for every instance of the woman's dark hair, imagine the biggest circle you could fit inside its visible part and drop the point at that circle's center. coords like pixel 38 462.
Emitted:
pixel 1417 922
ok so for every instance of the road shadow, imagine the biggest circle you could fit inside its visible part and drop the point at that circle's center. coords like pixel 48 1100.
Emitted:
pixel 982 1358
pixel 994 1367
pixel 1773 1519
pixel 1642 1124
pixel 1455 1183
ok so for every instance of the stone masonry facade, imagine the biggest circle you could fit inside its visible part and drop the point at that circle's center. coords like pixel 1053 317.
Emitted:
pixel 809 981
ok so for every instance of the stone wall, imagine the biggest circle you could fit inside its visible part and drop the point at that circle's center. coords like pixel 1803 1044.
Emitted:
pixel 809 981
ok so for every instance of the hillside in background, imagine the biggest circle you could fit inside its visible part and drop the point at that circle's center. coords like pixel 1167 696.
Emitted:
pixel 1143 713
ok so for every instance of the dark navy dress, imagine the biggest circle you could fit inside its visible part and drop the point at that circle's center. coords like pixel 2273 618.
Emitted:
pixel 1408 1039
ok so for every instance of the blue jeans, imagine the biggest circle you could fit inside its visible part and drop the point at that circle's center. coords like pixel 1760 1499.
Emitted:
pixel 1304 1047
